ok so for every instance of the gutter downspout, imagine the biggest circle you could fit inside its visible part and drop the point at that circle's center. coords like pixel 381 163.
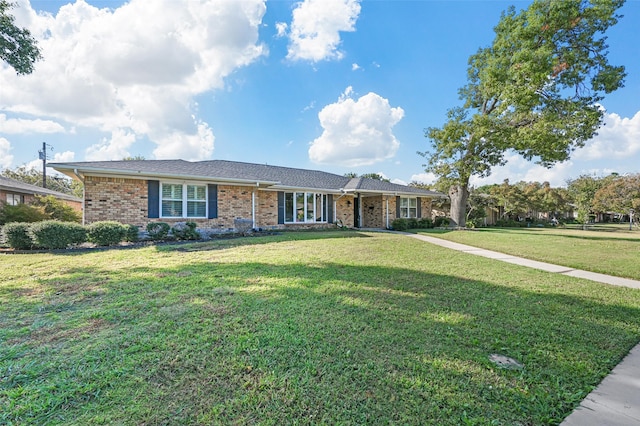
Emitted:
pixel 253 207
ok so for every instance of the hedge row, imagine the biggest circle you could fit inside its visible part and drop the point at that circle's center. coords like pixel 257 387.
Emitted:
pixel 402 224
pixel 52 234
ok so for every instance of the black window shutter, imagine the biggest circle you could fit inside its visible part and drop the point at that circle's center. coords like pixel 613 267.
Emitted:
pixel 212 193
pixel 280 208
pixel 330 209
pixel 397 207
pixel 153 199
pixel 419 202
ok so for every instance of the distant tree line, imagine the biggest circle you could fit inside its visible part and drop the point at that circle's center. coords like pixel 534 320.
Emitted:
pixel 585 199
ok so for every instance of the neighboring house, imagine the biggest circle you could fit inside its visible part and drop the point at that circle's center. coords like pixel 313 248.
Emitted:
pixel 14 192
pixel 216 193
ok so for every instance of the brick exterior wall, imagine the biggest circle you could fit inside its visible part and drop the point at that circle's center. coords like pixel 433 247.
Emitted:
pixel 267 210
pixel 374 212
pixel 344 210
pixel 426 207
pixel 125 200
pixel 119 199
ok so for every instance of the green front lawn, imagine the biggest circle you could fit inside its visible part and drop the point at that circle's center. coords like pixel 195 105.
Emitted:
pixel 308 328
pixel 612 250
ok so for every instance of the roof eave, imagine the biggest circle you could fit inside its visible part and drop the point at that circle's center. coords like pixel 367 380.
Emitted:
pixel 73 170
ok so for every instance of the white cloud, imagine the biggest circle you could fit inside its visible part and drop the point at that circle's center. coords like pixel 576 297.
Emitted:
pixel 115 148
pixel 619 138
pixel 356 132
pixel 281 28
pixel 312 105
pixel 22 126
pixel 198 146
pixel 63 157
pixel 355 67
pixel 425 178
pixel 134 70
pixel 315 28
pixel 5 157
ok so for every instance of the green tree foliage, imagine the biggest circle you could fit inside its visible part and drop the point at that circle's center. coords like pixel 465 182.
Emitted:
pixel 511 198
pixel 55 183
pixel 375 176
pixel 21 213
pixel 44 208
pixel 57 209
pixel 582 191
pixel 620 195
pixel 533 91
pixel 17 47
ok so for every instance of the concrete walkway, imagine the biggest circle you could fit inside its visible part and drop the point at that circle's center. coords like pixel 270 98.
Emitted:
pixel 616 400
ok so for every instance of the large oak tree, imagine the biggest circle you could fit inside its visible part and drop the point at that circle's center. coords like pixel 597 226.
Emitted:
pixel 17 47
pixel 534 91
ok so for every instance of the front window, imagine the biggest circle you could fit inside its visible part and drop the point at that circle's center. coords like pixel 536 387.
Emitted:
pixel 408 207
pixel 182 200
pixel 305 207
pixel 15 199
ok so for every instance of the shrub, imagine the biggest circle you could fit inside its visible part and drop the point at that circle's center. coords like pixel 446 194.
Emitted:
pixel 185 231
pixel 412 223
pixel 131 233
pixel 16 235
pixel 158 230
pixel 400 224
pixel 57 209
pixel 106 233
pixel 509 223
pixel 425 223
pixel 441 221
pixel 21 213
pixel 52 234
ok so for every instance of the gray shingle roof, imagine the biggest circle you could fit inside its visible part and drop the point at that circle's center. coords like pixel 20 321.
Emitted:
pixel 233 171
pixel 25 188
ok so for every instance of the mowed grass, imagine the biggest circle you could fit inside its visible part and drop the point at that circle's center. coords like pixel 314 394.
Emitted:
pixel 310 328
pixel 609 250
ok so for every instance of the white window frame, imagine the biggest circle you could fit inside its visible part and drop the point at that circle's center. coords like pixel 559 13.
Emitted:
pixel 407 209
pixel 310 211
pixel 185 200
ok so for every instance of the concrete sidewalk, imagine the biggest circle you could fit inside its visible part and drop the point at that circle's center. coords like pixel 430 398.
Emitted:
pixel 616 400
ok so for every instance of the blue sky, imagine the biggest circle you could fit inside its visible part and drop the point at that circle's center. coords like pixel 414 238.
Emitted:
pixel 336 85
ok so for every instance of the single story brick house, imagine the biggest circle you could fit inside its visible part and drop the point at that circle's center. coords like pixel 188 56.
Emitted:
pixel 14 192
pixel 215 194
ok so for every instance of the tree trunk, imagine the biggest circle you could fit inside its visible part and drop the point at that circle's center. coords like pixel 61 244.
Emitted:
pixel 458 195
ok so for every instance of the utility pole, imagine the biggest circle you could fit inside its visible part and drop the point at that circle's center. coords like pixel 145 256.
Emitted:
pixel 43 156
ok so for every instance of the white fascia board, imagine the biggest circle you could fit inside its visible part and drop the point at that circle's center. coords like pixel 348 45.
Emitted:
pixel 303 189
